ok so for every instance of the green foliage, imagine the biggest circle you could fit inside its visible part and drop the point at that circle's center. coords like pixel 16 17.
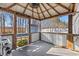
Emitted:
pixel 22 43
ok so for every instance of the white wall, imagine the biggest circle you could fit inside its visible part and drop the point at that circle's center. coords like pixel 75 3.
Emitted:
pixel 35 37
pixel 58 40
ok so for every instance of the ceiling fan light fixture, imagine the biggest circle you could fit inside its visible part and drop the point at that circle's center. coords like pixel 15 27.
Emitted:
pixel 34 5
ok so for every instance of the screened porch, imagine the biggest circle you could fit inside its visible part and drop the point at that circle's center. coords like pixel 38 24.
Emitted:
pixel 39 26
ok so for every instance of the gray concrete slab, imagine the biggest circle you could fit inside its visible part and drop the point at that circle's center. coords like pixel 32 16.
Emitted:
pixel 62 52
pixel 38 48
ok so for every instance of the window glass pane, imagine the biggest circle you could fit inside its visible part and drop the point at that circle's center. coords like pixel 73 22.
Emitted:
pixel 22 25
pixel 8 18
pixel 6 25
pixel 57 25
pixel 35 24
pixel 34 29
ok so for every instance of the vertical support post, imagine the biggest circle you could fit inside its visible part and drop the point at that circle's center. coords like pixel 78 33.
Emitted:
pixel 14 31
pixel 40 32
pixel 70 35
pixel 29 30
pixel 70 42
pixel 3 25
pixel 20 26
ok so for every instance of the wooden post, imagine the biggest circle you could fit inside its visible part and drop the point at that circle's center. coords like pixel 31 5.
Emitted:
pixel 70 43
pixel 14 31
pixel 40 32
pixel 70 36
pixel 3 26
pixel 29 30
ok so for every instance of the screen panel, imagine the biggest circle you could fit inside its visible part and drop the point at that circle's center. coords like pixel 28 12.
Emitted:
pixel 6 22
pixel 56 25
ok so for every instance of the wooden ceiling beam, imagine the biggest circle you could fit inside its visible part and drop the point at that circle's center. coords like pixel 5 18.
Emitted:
pixel 66 13
pixel 42 11
pixel 46 9
pixel 25 8
pixel 11 6
pixel 63 6
pixel 38 13
pixel 62 14
pixel 17 13
pixel 32 12
pixel 29 9
pixel 20 5
pixel 53 8
pixel 73 7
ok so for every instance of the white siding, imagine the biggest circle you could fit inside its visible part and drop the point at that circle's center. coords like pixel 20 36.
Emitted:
pixel 35 37
pixel 56 39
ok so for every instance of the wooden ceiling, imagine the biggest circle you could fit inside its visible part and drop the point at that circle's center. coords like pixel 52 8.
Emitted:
pixel 44 10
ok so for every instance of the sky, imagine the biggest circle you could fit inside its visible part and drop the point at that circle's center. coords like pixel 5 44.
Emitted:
pixel 8 20
pixel 64 18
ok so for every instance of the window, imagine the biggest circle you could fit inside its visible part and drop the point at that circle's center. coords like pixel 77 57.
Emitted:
pixel 22 25
pixel 8 19
pixel 57 25
pixel 35 24
pixel 6 22
pixel 22 31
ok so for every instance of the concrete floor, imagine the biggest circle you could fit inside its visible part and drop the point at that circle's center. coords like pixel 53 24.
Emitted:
pixel 41 48
pixel 38 48
pixel 62 52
